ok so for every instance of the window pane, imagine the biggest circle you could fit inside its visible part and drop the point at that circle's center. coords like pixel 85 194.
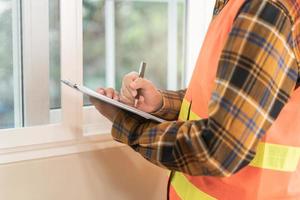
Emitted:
pixel 140 33
pixel 6 65
pixel 22 103
pixel 54 49
pixel 181 43
pixel 93 43
pixel 54 61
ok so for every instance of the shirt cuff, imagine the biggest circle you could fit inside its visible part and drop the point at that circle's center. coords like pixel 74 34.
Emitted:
pixel 170 107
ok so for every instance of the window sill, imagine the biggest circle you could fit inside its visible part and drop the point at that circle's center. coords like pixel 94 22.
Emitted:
pixel 85 144
pixel 21 144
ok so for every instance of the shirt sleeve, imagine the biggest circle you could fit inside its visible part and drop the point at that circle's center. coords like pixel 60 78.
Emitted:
pixel 256 74
pixel 171 105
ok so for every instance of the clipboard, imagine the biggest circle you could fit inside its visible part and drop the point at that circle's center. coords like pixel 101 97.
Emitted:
pixel 89 92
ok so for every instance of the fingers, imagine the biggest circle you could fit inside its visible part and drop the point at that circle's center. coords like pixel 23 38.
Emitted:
pixel 116 96
pixel 127 80
pixel 130 77
pixel 141 99
pixel 140 83
pixel 126 97
pixel 109 92
pixel 101 91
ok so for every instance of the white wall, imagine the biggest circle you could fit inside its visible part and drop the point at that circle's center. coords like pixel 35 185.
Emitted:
pixel 112 174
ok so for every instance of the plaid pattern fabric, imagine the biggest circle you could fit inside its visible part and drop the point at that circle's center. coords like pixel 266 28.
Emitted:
pixel 219 5
pixel 171 105
pixel 257 72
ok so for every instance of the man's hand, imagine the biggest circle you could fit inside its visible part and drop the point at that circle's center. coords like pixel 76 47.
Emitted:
pixel 105 109
pixel 150 99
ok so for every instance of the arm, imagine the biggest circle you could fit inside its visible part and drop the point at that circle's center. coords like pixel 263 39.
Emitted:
pixel 256 75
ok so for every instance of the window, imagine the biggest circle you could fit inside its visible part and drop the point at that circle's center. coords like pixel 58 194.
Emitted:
pixel 55 39
pixel 29 84
pixel 9 64
pixel 118 34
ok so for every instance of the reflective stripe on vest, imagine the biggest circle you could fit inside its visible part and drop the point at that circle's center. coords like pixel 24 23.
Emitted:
pixel 268 156
pixel 186 190
pixel 185 114
pixel 276 157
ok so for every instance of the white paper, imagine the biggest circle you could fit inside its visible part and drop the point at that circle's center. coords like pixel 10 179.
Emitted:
pixel 116 103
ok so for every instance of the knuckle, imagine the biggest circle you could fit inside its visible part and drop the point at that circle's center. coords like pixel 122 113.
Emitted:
pixel 130 76
pixel 100 89
pixel 110 89
pixel 122 99
pixel 122 92
pixel 133 74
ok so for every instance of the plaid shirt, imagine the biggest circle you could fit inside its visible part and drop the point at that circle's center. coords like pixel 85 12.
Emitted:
pixel 252 85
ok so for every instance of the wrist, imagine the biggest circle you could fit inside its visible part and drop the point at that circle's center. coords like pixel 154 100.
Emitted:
pixel 160 103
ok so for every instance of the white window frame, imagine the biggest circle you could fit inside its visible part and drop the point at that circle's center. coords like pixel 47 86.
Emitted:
pixel 199 14
pixel 16 35
pixel 67 136
pixel 35 34
pixel 86 130
pixel 110 51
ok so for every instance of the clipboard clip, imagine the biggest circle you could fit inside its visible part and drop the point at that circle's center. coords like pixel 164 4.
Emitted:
pixel 69 84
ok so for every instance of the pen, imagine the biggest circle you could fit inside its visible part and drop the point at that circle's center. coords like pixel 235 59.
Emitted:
pixel 141 75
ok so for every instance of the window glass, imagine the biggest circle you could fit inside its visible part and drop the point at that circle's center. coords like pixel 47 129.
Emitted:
pixel 6 65
pixel 181 43
pixel 54 62
pixel 140 33
pixel 54 50
pixel 15 109
pixel 94 42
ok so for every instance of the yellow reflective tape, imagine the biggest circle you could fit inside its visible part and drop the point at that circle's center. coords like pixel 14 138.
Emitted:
pixel 276 157
pixel 194 116
pixel 186 190
pixel 268 156
pixel 184 111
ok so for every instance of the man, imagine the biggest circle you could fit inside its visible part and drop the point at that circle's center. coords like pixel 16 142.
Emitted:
pixel 235 132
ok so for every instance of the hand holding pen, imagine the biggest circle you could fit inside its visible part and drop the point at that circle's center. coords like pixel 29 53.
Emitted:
pixel 140 92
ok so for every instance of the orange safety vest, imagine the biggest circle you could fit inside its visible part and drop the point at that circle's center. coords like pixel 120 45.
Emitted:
pixel 275 171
